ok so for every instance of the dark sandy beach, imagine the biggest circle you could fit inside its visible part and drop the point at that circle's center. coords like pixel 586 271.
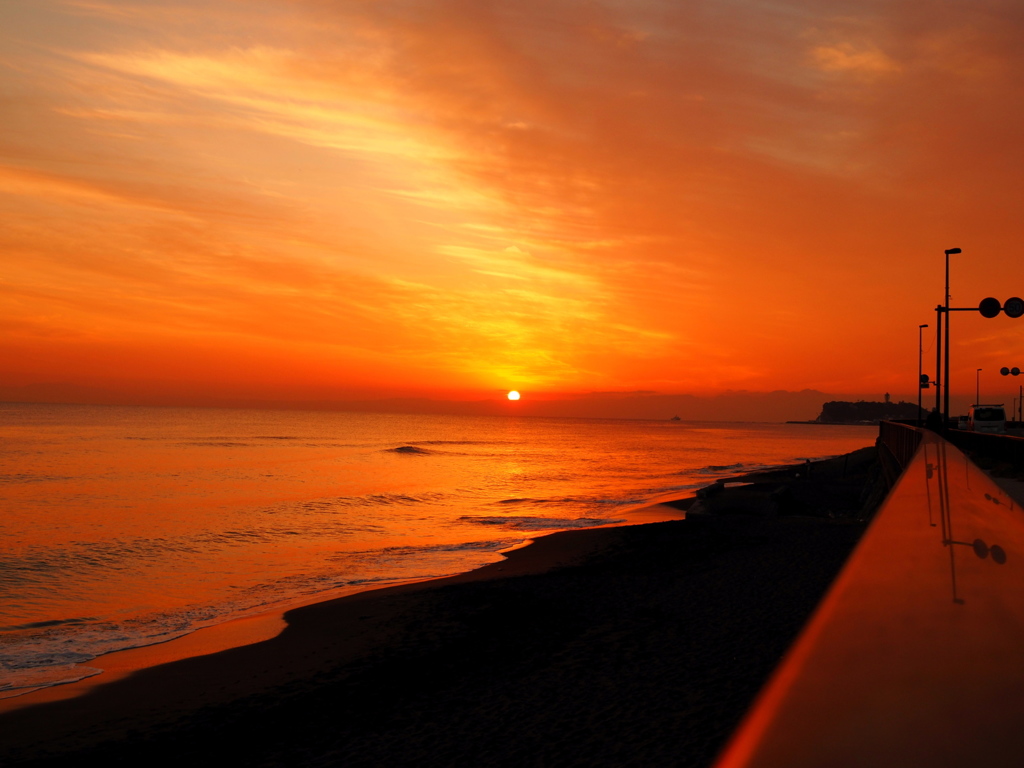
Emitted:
pixel 640 645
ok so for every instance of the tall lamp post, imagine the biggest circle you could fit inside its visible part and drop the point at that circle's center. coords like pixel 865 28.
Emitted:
pixel 945 372
pixel 977 387
pixel 989 307
pixel 938 360
pixel 920 377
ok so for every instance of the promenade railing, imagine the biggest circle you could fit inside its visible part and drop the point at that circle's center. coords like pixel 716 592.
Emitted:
pixel 900 440
pixel 914 656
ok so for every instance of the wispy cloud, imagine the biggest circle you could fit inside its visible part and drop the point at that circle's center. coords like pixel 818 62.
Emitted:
pixel 845 57
pixel 628 194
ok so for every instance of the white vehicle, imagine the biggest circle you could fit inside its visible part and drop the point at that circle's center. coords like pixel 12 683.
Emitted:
pixel 987 418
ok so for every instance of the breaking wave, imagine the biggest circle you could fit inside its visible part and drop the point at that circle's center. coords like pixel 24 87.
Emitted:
pixel 540 523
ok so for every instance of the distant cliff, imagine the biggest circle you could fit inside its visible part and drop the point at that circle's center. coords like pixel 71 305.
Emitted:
pixel 843 412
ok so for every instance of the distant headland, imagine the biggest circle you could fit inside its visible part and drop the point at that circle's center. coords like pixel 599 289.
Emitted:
pixel 863 412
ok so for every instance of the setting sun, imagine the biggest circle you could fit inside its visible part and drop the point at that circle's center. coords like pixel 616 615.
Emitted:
pixel 513 395
pixel 251 168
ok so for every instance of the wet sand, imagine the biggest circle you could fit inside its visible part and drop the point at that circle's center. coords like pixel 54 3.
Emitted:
pixel 637 645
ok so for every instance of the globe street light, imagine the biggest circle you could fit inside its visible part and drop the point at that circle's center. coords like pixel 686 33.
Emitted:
pixel 990 307
pixel 1018 408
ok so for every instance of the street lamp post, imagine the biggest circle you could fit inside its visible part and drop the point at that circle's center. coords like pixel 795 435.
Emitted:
pixel 989 307
pixel 938 359
pixel 1018 402
pixel 977 387
pixel 920 378
pixel 945 373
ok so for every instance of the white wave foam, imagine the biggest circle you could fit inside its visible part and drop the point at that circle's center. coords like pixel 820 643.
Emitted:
pixel 540 523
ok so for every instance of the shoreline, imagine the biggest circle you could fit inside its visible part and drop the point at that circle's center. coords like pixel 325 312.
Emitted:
pixel 259 627
pixel 660 633
pixel 150 672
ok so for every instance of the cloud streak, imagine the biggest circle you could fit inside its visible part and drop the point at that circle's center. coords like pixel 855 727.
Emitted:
pixel 565 195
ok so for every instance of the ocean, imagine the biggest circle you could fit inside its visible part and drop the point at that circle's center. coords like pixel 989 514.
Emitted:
pixel 127 526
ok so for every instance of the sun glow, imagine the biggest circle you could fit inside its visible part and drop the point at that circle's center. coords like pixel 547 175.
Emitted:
pixel 513 395
pixel 274 179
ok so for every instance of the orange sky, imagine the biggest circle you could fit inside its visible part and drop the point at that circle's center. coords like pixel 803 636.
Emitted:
pixel 452 198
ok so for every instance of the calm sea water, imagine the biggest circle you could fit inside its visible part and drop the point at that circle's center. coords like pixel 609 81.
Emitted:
pixel 122 526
